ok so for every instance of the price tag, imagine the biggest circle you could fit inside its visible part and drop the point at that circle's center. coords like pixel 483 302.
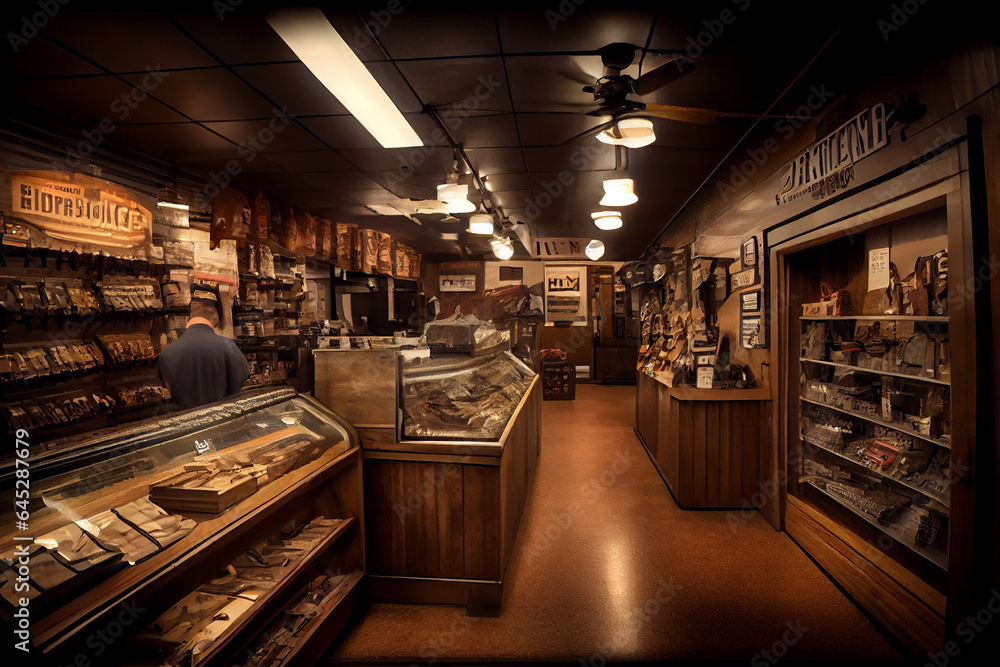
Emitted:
pixel 203 446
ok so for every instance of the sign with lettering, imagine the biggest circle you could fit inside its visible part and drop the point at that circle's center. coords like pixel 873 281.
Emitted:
pixel 878 269
pixel 744 278
pixel 559 248
pixel 827 166
pixel 81 209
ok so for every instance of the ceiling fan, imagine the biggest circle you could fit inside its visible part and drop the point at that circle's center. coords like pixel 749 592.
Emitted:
pixel 620 95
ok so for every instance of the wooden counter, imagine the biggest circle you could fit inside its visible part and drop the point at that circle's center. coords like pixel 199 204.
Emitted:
pixel 441 517
pixel 706 443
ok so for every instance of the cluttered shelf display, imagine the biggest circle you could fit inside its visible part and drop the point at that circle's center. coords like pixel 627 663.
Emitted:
pixel 875 405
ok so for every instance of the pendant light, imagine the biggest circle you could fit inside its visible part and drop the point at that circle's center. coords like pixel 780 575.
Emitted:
pixel 502 247
pixel 607 220
pixel 481 223
pixel 618 192
pixel 594 249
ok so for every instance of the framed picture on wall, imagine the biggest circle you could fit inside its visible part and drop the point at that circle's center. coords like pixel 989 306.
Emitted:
pixel 457 283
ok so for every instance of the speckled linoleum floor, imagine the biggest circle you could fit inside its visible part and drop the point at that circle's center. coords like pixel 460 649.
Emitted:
pixel 607 569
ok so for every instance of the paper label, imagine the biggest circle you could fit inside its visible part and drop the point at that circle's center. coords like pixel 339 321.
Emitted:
pixel 878 269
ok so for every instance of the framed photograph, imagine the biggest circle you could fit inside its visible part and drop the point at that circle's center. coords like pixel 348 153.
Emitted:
pixel 748 252
pixel 457 283
pixel 511 274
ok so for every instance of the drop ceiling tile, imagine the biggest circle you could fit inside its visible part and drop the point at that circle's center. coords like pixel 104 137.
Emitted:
pixel 443 34
pixel 488 131
pixel 91 99
pixel 236 37
pixel 293 87
pixel 552 83
pixel 426 159
pixel 267 136
pixel 177 141
pixel 496 160
pixel 515 180
pixel 209 95
pixel 459 83
pixel 352 28
pixel 512 199
pixel 589 156
pixel 127 41
pixel 40 57
pixel 309 161
pixel 572 27
pixel 414 186
pixel 340 132
pixel 395 86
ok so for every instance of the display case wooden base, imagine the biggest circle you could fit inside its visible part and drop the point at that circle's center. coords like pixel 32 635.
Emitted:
pixel 705 443
pixel 443 517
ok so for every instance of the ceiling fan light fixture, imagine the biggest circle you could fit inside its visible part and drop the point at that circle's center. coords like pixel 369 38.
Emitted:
pixel 481 223
pixel 502 248
pixel 594 250
pixel 629 132
pixel 607 220
pixel 618 192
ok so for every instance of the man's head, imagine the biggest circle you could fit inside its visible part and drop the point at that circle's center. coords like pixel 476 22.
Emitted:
pixel 205 303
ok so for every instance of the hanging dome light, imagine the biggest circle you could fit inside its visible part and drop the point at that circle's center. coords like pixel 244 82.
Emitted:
pixel 629 132
pixel 594 249
pixel 607 220
pixel 481 223
pixel 618 192
pixel 502 248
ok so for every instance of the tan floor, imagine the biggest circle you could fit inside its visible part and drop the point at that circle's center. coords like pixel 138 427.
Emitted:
pixel 608 569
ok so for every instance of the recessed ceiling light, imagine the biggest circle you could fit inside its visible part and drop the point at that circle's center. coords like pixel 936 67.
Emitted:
pixel 319 46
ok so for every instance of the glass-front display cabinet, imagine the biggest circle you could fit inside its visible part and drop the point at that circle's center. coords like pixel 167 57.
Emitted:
pixel 230 533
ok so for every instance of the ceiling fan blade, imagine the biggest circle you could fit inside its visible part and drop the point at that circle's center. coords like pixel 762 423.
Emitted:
pixel 682 114
pixel 699 115
pixel 591 131
pixel 664 74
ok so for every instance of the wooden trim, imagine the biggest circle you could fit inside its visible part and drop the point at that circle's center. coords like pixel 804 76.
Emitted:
pixel 890 593
pixel 432 458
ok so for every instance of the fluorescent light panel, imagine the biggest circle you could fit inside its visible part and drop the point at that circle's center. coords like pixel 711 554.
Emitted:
pixel 320 47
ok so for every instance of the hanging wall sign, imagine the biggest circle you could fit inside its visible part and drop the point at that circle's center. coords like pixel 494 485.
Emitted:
pixel 751 320
pixel 559 248
pixel 82 209
pixel 827 166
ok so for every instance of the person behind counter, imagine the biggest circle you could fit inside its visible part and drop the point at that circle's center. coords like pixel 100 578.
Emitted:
pixel 201 366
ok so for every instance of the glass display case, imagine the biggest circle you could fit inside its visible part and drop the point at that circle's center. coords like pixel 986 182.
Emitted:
pixel 246 500
pixel 459 396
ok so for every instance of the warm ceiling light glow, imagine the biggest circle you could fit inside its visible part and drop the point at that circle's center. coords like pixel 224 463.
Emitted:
pixel 167 204
pixel 629 132
pixel 455 198
pixel 618 192
pixel 502 248
pixel 607 220
pixel 308 33
pixel 481 223
pixel 594 249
